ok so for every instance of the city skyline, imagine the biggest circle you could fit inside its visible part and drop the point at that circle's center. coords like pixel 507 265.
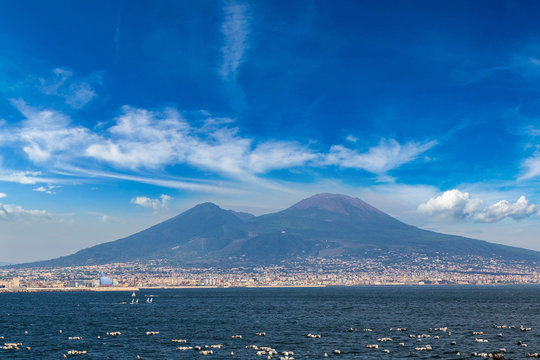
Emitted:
pixel 115 116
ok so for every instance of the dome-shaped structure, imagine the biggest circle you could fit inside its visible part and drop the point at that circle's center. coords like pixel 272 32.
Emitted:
pixel 104 281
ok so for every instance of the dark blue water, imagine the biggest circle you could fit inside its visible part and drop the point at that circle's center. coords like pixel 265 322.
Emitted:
pixel 212 316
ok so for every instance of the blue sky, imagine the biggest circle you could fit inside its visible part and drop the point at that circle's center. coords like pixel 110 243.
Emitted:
pixel 116 115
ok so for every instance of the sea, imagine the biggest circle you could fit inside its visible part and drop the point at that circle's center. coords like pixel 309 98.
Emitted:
pixel 404 322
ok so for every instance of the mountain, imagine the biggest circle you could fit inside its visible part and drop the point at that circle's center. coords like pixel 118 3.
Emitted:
pixel 192 234
pixel 322 225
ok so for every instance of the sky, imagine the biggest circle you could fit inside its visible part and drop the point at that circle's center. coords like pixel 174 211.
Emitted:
pixel 116 115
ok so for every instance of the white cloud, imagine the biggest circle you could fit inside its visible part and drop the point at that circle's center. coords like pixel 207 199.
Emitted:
pixel 388 155
pixel 51 86
pixel 21 177
pixel 531 166
pixel 235 29
pixel 458 204
pixel 278 155
pixel 14 212
pixel 80 94
pixel 531 130
pixel 155 204
pixel 140 139
pixel 49 189
pixel 47 133
pixel 525 64
pixel 199 185
pixel 502 209
pixel 351 138
pixel 2 195
pixel 74 92
pixel 452 202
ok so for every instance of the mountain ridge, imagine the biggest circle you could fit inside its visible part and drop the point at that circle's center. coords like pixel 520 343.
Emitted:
pixel 321 225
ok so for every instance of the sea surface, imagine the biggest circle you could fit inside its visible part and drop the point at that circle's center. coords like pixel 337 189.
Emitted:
pixel 45 321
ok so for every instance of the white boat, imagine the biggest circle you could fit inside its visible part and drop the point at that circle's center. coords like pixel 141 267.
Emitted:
pixel 133 294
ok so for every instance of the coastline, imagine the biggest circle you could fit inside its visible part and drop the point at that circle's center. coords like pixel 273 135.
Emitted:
pixel 132 288
pixel 232 287
pixel 124 288
pixel 69 289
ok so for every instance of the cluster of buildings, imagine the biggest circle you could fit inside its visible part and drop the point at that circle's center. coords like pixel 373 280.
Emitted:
pixel 50 279
pixel 386 269
pixel 10 283
pixel 103 281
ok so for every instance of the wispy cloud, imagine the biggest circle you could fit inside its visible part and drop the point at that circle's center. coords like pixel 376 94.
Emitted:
pixel 532 131
pixel 154 204
pixel 46 132
pixel 351 138
pixel 235 29
pixel 50 86
pixel 524 65
pixel 142 140
pixel 198 185
pixel 80 94
pixel 457 204
pixel 531 167
pixel 14 212
pixel 22 177
pixel 76 93
pixel 2 195
pixel 387 155
pixel 145 139
pixel 49 189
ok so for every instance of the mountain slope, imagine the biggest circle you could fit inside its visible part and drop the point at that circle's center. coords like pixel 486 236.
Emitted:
pixel 192 234
pixel 322 225
pixel 341 225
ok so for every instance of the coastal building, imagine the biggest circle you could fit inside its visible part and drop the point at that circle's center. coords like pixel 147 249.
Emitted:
pixel 209 282
pixel 81 283
pixel 10 283
pixel 104 280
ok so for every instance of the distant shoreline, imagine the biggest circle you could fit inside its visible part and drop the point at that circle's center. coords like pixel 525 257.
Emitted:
pixel 233 287
pixel 112 289
pixel 124 289
pixel 69 289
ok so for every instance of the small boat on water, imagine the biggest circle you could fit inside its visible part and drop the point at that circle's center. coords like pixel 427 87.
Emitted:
pixel 133 294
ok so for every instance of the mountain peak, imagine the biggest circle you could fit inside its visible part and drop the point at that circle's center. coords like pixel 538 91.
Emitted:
pixel 204 207
pixel 336 203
